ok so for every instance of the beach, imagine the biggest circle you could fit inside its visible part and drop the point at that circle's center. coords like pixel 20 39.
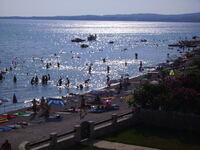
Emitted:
pixel 38 129
pixel 48 54
pixel 35 48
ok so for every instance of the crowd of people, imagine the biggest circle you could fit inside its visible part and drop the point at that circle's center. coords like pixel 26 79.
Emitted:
pixel 40 107
pixel 62 81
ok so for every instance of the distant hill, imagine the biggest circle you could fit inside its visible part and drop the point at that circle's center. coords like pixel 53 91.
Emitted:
pixel 194 17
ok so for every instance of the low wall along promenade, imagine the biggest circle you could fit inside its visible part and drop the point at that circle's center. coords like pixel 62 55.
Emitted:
pixel 90 130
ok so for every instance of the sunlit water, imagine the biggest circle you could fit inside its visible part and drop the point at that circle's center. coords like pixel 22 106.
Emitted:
pixel 26 42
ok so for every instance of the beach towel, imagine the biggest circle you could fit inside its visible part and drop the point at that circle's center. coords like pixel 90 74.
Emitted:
pixel 2 120
pixel 23 114
pixel 5 128
pixel 95 111
pixel 14 126
pixel 63 113
pixel 7 116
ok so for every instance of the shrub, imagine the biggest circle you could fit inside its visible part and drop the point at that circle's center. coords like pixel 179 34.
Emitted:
pixel 148 95
pixel 173 94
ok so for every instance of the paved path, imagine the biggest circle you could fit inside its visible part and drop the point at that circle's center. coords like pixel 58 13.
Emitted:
pixel 41 130
pixel 116 146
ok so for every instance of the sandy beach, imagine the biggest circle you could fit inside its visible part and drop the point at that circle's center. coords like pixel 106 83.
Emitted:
pixel 37 128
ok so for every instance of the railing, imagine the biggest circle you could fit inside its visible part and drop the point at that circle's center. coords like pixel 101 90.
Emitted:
pixel 188 122
pixel 73 132
pixel 102 122
pixel 46 141
pixel 66 134
pixel 35 144
pixel 126 114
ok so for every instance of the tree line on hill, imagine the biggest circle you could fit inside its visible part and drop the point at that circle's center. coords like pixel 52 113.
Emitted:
pixel 193 17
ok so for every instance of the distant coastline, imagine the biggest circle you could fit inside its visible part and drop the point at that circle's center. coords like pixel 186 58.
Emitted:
pixel 192 17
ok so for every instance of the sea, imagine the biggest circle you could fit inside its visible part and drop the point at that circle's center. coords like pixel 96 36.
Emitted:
pixel 26 46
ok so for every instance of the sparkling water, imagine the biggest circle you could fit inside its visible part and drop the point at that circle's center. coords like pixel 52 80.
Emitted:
pixel 28 45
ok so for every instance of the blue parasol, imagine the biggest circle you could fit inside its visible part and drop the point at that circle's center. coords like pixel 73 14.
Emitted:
pixel 55 102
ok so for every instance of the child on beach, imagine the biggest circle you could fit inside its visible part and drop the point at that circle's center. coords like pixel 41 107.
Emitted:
pixel 34 107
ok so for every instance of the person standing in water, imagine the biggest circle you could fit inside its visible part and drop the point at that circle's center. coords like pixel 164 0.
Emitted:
pixel 36 80
pixel 108 69
pixel 140 68
pixel 141 64
pixel 60 81
pixel 136 55
pixel 1 76
pixel 14 99
pixel 68 82
pixel 126 63
pixel 14 79
pixel 58 65
pixel 108 80
pixel 90 69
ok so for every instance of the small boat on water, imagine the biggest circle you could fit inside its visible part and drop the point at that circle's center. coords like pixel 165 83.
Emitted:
pixel 111 42
pixel 92 37
pixel 143 40
pixel 77 40
pixel 84 45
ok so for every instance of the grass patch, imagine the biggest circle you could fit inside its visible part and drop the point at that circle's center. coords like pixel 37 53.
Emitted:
pixel 162 138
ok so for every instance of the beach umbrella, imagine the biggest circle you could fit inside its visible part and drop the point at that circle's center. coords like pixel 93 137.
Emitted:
pixel 108 98
pixel 55 102
pixel 107 102
pixel 171 73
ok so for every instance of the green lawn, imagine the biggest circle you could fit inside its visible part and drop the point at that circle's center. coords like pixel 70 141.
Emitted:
pixel 165 139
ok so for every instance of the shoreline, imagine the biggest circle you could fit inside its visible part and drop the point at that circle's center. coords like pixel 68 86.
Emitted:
pixel 113 86
pixel 40 129
pixel 22 104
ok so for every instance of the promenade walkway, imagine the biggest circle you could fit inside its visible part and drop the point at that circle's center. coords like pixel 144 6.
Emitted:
pixel 38 129
pixel 115 146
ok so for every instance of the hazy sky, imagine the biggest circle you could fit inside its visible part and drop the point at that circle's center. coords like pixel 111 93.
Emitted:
pixel 95 7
